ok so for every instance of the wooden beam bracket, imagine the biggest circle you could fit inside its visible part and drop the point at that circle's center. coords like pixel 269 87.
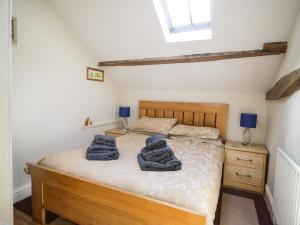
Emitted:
pixel 271 48
pixel 285 86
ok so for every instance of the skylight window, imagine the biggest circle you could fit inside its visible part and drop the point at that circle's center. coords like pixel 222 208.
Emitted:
pixel 184 20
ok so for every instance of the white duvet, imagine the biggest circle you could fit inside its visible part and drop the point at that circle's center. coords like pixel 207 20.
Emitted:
pixel 195 187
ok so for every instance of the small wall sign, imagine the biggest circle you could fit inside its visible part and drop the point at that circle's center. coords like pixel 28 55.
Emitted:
pixel 95 74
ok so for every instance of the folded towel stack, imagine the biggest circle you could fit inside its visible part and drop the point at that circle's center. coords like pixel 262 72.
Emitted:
pixel 158 156
pixel 103 148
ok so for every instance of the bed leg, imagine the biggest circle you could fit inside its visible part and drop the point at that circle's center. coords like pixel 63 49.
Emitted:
pixel 38 210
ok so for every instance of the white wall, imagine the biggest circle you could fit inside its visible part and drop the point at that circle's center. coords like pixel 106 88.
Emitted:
pixel 238 102
pixel 284 115
pixel 131 29
pixel 239 75
pixel 51 96
pixel 5 141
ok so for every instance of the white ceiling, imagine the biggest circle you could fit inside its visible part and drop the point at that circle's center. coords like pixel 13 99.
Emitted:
pixel 118 29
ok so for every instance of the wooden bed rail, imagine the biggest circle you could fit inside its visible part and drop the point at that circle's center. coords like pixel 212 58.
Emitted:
pixel 86 202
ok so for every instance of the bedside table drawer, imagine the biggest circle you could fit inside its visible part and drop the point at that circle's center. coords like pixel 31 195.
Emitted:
pixel 245 159
pixel 244 175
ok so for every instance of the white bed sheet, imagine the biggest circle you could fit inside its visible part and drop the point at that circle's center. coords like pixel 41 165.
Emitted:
pixel 195 187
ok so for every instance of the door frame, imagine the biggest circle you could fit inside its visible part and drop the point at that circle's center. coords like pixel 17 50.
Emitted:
pixel 6 203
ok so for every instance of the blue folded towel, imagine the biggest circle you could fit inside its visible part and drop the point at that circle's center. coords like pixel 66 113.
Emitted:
pixel 102 155
pixel 160 155
pixel 172 165
pixel 104 140
pixel 154 137
pixel 156 144
pixel 102 147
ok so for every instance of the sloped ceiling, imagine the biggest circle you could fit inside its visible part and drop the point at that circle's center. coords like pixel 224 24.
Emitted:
pixel 118 29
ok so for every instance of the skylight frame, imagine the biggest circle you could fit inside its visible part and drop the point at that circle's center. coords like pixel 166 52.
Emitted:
pixel 184 28
pixel 202 31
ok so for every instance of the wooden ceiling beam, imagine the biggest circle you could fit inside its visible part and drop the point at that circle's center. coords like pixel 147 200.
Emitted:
pixel 285 86
pixel 271 48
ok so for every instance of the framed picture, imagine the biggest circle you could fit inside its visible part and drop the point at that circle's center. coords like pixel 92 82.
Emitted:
pixel 14 30
pixel 95 74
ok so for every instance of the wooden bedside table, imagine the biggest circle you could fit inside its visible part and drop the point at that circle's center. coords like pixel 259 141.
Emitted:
pixel 245 167
pixel 116 132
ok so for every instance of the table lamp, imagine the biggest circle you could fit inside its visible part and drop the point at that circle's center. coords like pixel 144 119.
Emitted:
pixel 124 113
pixel 248 120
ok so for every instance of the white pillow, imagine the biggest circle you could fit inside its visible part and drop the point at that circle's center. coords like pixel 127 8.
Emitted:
pixel 193 131
pixel 153 125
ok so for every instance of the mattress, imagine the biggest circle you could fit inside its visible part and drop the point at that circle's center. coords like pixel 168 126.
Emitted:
pixel 195 187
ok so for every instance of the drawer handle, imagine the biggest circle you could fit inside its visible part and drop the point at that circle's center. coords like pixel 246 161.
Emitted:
pixel 243 175
pixel 246 160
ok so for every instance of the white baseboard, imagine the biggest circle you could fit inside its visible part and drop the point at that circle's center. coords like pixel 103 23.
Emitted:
pixel 270 204
pixel 22 192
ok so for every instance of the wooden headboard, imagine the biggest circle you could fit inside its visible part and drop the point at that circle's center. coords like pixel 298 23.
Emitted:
pixel 194 114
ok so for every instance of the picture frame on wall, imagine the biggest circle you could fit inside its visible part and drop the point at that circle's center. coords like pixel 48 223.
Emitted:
pixel 14 30
pixel 94 74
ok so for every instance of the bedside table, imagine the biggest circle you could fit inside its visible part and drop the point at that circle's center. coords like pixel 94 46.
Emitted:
pixel 116 132
pixel 245 166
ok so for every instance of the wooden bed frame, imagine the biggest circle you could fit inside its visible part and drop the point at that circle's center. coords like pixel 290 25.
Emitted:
pixel 85 202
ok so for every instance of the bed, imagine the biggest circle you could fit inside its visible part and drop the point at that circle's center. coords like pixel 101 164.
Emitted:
pixel 117 192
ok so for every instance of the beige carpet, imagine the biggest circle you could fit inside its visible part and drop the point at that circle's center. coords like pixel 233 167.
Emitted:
pixel 235 211
pixel 238 211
